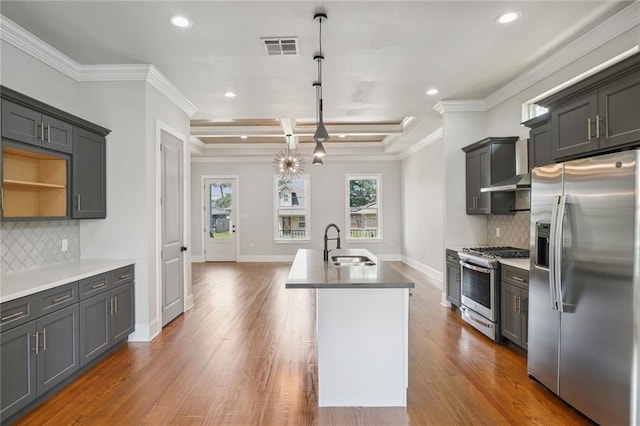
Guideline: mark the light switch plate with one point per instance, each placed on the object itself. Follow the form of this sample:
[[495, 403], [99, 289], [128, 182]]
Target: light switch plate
[[65, 245]]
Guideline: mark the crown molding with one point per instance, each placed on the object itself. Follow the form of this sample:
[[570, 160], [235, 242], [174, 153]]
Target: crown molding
[[432, 137], [616, 25], [475, 105], [23, 40]]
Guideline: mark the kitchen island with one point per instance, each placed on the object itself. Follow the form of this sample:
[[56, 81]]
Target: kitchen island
[[362, 320]]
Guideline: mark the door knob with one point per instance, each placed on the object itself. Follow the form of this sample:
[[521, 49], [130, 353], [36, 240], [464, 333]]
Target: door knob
[[183, 248]]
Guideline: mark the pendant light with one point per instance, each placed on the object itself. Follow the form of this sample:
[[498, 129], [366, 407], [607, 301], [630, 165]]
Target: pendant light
[[288, 163], [321, 134]]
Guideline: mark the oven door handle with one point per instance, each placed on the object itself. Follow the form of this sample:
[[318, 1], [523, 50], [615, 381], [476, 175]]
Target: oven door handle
[[475, 268]]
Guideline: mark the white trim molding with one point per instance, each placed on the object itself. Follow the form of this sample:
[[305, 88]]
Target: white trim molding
[[266, 258], [23, 40], [435, 277], [432, 137], [474, 105], [197, 259]]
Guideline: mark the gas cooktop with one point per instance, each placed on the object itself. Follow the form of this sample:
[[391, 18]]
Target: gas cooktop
[[502, 252]]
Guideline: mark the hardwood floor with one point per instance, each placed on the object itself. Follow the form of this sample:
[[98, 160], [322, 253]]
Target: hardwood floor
[[245, 355]]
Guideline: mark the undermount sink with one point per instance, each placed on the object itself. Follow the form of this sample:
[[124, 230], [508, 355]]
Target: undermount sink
[[352, 261]]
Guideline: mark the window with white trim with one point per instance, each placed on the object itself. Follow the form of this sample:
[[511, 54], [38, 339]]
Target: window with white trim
[[364, 207], [292, 212]]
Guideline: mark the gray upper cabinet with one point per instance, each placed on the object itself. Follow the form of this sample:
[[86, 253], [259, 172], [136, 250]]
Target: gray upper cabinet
[[29, 126], [89, 176], [539, 141], [598, 114], [489, 161]]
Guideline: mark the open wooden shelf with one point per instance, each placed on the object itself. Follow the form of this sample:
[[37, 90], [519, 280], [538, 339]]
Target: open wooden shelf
[[34, 184]]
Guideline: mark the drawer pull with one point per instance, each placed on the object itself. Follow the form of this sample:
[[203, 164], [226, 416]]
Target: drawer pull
[[518, 279], [62, 298], [123, 276], [12, 316], [102, 284]]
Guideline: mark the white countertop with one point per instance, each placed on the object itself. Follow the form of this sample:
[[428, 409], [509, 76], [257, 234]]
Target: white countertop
[[310, 271], [25, 283], [517, 263]]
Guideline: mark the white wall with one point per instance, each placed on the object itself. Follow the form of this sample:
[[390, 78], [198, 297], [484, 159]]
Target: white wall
[[422, 209], [129, 109], [255, 227]]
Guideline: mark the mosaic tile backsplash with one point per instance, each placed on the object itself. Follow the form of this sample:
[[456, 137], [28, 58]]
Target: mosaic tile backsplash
[[31, 245], [514, 230]]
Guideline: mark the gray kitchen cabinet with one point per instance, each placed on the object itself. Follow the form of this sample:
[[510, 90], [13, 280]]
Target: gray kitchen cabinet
[[539, 146], [488, 161], [598, 114], [38, 183], [18, 386], [29, 126], [453, 277], [89, 176], [514, 302], [106, 317], [50, 336], [57, 356]]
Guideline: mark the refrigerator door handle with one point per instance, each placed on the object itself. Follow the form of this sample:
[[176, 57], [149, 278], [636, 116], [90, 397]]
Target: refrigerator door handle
[[552, 252], [558, 251]]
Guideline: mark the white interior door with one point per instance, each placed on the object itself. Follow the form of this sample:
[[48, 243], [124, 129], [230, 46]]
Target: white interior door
[[220, 201], [172, 226]]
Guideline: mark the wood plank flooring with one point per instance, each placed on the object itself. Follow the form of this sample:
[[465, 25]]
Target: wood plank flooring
[[246, 355]]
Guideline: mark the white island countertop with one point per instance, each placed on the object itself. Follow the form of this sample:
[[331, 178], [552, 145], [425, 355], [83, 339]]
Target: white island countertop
[[309, 270], [34, 281]]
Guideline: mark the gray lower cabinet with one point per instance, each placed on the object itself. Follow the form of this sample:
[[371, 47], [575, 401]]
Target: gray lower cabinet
[[453, 277], [37, 356], [49, 336], [17, 369], [514, 302], [89, 175]]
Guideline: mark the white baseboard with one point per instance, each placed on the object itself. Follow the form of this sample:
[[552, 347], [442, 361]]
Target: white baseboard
[[390, 257], [197, 259], [189, 302], [145, 332], [434, 275], [443, 300], [266, 258]]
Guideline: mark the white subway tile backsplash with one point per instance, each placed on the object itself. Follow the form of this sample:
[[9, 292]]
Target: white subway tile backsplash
[[31, 245], [514, 229]]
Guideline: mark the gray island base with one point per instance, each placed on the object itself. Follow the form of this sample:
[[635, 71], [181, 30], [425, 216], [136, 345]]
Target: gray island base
[[362, 319]]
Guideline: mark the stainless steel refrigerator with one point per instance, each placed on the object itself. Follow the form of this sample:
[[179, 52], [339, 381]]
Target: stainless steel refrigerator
[[583, 289]]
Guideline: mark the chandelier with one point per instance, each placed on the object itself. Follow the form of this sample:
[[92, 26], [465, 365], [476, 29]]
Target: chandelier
[[288, 163], [321, 134]]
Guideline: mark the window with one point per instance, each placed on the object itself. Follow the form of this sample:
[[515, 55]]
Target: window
[[292, 211], [364, 207]]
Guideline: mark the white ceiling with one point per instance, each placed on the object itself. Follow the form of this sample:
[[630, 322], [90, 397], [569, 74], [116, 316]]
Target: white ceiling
[[380, 56]]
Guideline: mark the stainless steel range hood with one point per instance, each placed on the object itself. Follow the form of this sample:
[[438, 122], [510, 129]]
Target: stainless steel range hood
[[521, 181]]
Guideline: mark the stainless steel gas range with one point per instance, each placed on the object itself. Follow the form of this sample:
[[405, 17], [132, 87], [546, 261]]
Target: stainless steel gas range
[[480, 286]]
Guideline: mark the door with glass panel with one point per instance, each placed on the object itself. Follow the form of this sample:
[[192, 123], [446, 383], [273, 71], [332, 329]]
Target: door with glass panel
[[220, 219]]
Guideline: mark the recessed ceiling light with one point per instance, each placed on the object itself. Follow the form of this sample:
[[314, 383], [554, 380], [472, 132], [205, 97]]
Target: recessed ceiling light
[[244, 137], [505, 18], [181, 21], [230, 94], [432, 92]]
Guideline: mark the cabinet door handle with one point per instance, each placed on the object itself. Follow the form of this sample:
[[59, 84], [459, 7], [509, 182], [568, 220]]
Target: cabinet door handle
[[523, 305], [589, 128], [79, 208], [44, 339], [48, 139], [62, 298], [111, 306], [42, 132], [12, 316], [597, 126], [37, 342], [517, 304], [115, 299]]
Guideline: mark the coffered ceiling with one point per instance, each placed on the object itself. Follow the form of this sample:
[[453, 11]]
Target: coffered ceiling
[[380, 59]]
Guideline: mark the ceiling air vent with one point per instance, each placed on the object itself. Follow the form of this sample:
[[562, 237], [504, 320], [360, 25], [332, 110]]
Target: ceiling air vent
[[284, 46]]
